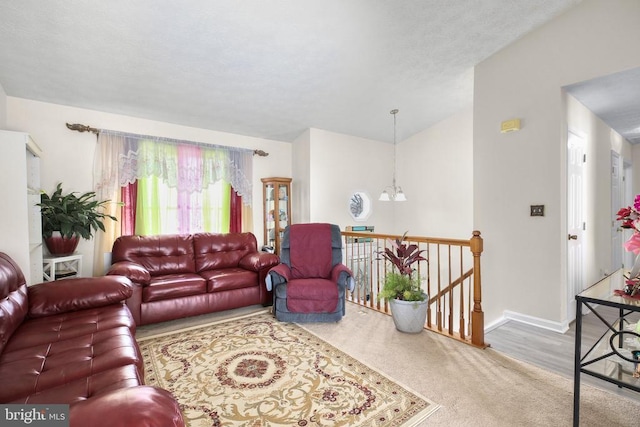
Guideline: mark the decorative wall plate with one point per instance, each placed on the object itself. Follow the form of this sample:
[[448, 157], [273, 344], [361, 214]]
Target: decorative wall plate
[[360, 206]]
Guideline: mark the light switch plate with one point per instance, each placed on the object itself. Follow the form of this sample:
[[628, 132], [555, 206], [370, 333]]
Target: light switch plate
[[537, 210]]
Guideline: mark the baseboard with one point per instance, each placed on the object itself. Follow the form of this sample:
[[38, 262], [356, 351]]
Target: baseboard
[[560, 327], [490, 327]]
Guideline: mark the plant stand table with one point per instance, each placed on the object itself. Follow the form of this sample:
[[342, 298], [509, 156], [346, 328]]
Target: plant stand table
[[614, 356], [62, 266]]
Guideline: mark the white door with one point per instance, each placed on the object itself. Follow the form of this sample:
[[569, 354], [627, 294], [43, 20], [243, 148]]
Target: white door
[[616, 204], [575, 219]]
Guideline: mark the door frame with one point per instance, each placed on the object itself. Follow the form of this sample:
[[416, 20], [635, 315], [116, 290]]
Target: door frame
[[617, 201], [628, 258]]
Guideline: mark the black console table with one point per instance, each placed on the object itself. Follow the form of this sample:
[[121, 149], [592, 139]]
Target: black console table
[[614, 356]]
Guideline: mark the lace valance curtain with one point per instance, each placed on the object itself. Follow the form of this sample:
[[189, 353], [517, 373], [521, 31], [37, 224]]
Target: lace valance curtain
[[188, 166], [122, 158]]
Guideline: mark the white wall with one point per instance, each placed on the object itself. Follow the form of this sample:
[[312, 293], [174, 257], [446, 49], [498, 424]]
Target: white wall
[[68, 155], [326, 167], [300, 186], [341, 165], [3, 108], [524, 260], [436, 174], [434, 170]]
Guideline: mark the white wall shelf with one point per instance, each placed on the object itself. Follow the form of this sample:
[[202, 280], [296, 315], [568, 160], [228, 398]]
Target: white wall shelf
[[20, 222]]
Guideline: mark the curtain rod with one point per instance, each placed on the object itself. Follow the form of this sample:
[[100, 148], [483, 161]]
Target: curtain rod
[[85, 128]]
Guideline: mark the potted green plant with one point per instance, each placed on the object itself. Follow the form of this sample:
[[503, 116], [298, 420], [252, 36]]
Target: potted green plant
[[407, 300], [67, 217]]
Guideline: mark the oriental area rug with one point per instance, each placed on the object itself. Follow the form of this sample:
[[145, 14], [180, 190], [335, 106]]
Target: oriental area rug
[[256, 371]]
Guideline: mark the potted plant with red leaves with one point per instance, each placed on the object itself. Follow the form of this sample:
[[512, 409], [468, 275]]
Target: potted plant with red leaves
[[407, 300]]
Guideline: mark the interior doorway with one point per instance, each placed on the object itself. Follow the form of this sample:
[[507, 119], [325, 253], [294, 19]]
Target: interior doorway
[[575, 218]]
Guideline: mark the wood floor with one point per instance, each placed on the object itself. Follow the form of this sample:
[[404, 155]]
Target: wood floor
[[554, 351]]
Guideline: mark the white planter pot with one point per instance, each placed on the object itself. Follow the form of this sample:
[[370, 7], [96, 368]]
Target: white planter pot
[[409, 316]]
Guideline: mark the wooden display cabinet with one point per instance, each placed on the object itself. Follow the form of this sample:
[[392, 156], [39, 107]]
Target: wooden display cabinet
[[276, 193]]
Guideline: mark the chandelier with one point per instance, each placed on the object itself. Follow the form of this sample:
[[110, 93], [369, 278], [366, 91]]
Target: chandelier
[[395, 192]]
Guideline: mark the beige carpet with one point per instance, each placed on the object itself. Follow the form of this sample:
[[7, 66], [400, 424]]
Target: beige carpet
[[256, 371], [475, 387]]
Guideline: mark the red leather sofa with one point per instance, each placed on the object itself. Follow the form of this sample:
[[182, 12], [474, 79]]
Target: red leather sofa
[[176, 276], [72, 342]]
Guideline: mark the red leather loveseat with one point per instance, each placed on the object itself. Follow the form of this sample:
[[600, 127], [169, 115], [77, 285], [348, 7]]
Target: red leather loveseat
[[72, 342], [176, 276]]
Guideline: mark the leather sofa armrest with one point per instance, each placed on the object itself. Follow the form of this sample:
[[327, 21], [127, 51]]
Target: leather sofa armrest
[[257, 261], [73, 294], [132, 270], [142, 406]]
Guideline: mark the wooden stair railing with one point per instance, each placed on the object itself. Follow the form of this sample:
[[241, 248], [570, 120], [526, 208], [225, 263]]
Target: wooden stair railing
[[450, 298], [455, 283]]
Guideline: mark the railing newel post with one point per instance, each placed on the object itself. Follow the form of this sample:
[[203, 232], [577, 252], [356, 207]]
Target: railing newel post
[[477, 317]]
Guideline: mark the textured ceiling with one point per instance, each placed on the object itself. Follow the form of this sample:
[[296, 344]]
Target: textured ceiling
[[261, 68], [615, 99]]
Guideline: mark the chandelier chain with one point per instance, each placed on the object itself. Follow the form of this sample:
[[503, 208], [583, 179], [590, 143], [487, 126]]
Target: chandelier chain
[[397, 194], [394, 112]]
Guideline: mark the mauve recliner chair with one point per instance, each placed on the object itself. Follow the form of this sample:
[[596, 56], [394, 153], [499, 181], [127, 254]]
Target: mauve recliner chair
[[311, 282]]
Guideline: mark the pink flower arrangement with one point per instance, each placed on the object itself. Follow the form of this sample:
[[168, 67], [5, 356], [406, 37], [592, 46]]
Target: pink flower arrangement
[[630, 217]]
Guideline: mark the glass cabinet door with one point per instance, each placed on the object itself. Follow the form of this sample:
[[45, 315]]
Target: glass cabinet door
[[283, 214], [270, 209], [277, 210]]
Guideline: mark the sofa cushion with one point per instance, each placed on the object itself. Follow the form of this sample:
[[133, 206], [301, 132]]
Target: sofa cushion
[[229, 278], [166, 254], [217, 251], [98, 384], [32, 369], [173, 286], [312, 296], [13, 298], [65, 326]]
